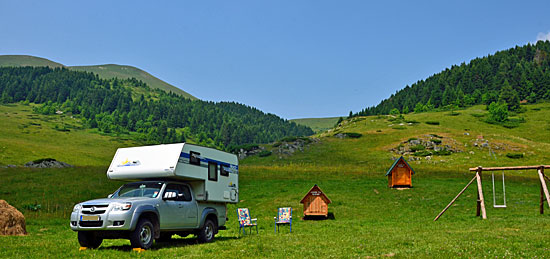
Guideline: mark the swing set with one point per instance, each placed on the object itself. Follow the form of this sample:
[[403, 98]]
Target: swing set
[[481, 201]]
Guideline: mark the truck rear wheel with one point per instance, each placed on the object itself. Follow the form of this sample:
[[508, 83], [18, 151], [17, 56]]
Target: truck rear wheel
[[89, 239], [207, 232], [143, 235]]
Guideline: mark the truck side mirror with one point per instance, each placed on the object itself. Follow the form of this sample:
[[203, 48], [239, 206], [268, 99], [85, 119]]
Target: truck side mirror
[[170, 196]]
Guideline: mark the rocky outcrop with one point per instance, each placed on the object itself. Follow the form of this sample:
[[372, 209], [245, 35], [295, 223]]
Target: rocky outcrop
[[243, 153], [289, 147], [427, 145], [12, 221], [47, 163]]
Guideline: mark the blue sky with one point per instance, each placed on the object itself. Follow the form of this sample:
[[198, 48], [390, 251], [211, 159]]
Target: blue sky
[[292, 58]]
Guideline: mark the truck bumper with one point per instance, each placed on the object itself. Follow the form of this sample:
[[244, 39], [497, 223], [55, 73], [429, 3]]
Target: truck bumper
[[120, 220]]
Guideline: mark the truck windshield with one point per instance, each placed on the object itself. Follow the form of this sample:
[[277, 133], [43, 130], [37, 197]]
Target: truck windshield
[[139, 189]]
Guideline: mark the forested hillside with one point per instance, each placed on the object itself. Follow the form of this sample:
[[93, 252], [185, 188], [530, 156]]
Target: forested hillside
[[107, 71], [130, 107], [511, 76]]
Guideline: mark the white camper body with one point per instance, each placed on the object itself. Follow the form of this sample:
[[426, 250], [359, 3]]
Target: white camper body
[[213, 174]]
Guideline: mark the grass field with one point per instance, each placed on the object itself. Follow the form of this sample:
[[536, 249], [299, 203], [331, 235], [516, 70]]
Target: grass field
[[26, 136], [104, 71], [368, 219], [317, 124]]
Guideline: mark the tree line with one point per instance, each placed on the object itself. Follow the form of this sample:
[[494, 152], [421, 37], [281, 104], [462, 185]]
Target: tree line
[[152, 116], [509, 76]]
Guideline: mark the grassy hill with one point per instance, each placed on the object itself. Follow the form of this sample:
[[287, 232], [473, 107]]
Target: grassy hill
[[317, 124], [367, 218], [124, 72], [104, 71], [26, 136], [24, 60]]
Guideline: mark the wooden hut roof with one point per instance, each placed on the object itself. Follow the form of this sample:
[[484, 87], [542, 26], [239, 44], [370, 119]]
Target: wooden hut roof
[[395, 163], [321, 193]]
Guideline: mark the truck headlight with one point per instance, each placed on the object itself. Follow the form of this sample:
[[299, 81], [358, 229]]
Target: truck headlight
[[77, 207], [117, 206]]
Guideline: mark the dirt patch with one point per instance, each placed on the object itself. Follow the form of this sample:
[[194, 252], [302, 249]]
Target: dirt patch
[[12, 222]]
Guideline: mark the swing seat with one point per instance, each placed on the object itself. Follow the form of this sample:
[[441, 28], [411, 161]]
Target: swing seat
[[495, 205]]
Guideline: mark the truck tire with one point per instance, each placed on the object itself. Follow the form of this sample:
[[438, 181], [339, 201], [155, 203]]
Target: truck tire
[[143, 235], [89, 239], [207, 232]]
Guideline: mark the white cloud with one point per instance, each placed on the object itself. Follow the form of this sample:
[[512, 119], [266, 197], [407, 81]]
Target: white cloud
[[543, 36]]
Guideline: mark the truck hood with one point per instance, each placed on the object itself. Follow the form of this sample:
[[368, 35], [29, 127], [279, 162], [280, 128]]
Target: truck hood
[[109, 200]]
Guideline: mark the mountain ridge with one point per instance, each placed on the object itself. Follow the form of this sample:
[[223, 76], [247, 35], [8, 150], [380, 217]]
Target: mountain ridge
[[105, 71]]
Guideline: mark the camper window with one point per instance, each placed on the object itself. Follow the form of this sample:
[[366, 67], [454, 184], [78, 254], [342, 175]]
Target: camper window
[[223, 171], [212, 171], [194, 158]]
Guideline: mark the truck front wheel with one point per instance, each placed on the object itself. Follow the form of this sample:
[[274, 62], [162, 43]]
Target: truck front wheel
[[206, 234], [143, 235], [89, 239]]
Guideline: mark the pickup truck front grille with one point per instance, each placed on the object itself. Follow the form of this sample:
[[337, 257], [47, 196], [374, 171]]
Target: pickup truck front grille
[[94, 213], [90, 224], [94, 209]]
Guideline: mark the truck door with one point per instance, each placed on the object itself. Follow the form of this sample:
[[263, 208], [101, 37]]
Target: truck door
[[190, 207], [172, 211]]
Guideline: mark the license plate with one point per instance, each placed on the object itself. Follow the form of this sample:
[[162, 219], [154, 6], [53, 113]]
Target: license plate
[[89, 218]]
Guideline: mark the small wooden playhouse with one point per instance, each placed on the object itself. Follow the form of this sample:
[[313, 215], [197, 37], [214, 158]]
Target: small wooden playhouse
[[400, 174], [315, 202]]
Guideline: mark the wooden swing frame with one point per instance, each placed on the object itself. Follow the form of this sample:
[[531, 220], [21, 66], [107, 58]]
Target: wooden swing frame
[[480, 211]]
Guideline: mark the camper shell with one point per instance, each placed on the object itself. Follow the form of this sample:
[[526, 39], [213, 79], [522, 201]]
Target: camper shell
[[212, 174]]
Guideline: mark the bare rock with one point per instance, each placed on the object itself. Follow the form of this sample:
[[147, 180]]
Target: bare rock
[[47, 163], [12, 221]]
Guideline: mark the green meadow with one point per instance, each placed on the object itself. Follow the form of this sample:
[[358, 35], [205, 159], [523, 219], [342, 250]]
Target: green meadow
[[317, 124], [367, 219]]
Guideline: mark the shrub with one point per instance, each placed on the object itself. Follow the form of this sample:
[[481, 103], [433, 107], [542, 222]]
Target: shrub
[[399, 127], [246, 147], [514, 155], [409, 140], [423, 153], [264, 153], [435, 135], [432, 122], [498, 112], [353, 134], [443, 152], [38, 161], [32, 207], [276, 144], [478, 115], [417, 148], [412, 121], [436, 141], [378, 130], [289, 139], [394, 111]]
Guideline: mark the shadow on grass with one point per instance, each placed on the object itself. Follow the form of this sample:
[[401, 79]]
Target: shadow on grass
[[176, 242], [330, 216]]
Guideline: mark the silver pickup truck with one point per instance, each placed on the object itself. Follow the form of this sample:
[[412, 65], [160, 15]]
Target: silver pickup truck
[[145, 211]]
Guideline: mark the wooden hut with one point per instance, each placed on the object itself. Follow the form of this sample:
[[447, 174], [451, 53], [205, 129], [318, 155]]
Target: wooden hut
[[400, 174], [315, 202]]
